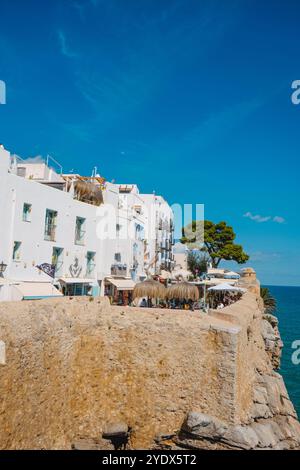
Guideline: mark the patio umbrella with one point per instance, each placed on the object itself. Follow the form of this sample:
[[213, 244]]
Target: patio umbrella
[[183, 291], [231, 275], [226, 287], [149, 288]]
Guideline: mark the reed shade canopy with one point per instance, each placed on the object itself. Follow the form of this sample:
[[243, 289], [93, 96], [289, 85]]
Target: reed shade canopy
[[183, 291], [88, 192], [149, 288]]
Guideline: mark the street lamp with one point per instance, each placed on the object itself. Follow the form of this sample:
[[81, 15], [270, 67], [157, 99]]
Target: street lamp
[[3, 267]]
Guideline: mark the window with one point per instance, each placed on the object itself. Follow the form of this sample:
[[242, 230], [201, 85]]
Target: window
[[139, 232], [118, 257], [26, 212], [90, 262], [57, 259], [50, 225], [78, 289], [17, 251], [79, 231]]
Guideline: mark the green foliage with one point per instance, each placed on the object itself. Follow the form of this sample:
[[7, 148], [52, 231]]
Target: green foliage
[[269, 301], [197, 262], [219, 243]]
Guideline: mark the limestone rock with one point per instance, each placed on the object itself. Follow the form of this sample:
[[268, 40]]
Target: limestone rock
[[91, 444], [272, 339], [260, 411], [204, 426], [243, 437], [115, 429], [265, 434]]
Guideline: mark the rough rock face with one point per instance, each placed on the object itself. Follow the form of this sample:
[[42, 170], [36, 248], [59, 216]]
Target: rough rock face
[[73, 366], [271, 336], [73, 369], [272, 422]]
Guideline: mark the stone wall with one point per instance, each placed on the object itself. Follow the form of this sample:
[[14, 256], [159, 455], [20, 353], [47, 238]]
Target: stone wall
[[264, 415], [74, 365]]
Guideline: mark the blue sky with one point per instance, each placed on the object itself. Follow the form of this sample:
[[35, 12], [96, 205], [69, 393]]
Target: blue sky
[[188, 98]]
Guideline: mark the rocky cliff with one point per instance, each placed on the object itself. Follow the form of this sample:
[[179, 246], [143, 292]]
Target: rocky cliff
[[271, 422], [71, 367]]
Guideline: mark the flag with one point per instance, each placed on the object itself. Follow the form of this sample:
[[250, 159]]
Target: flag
[[48, 269]]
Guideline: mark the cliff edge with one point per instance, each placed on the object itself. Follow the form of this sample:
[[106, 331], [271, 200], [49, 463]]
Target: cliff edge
[[271, 421], [70, 367]]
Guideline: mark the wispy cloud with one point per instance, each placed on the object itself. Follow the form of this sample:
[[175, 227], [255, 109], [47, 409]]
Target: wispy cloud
[[263, 256], [261, 219], [64, 47], [257, 218], [219, 124], [37, 159]]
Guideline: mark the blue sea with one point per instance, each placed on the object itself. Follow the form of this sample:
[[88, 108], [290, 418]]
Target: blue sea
[[288, 314]]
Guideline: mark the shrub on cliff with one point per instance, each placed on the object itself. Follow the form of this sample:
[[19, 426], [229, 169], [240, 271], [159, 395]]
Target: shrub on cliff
[[268, 299]]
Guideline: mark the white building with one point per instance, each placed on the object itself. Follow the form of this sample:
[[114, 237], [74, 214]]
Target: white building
[[91, 231], [159, 229], [180, 257], [41, 222]]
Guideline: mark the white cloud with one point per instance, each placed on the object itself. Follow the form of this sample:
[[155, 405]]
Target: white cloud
[[260, 218], [257, 218], [64, 48], [37, 159]]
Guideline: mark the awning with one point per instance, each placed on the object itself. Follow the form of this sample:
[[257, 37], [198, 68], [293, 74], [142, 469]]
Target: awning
[[76, 280], [7, 282], [226, 287], [213, 271], [37, 290], [122, 284], [216, 281], [231, 275]]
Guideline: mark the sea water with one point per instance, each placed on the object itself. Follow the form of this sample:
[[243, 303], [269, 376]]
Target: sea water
[[288, 314]]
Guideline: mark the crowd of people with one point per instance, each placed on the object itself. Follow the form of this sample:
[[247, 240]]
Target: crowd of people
[[226, 300]]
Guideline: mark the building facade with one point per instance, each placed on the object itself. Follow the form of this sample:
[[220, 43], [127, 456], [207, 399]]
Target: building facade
[[72, 235], [159, 238]]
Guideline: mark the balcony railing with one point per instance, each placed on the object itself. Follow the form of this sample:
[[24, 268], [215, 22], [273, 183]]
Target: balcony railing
[[118, 269]]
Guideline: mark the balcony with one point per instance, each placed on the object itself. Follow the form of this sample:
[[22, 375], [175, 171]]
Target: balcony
[[118, 269]]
